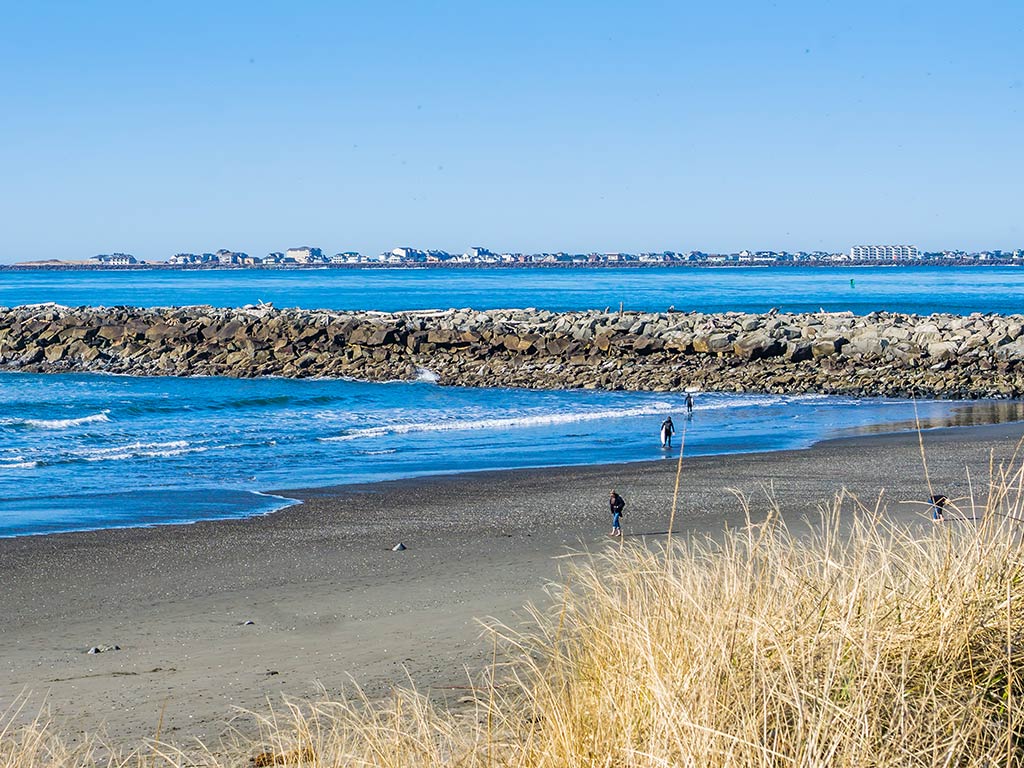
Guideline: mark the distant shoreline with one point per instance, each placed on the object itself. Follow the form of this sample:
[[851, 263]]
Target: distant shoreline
[[31, 267]]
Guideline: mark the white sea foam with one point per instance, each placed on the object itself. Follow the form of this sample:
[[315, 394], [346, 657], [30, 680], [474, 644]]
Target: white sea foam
[[539, 420], [715, 402], [64, 423], [20, 465], [149, 451], [286, 501], [137, 446], [425, 374]]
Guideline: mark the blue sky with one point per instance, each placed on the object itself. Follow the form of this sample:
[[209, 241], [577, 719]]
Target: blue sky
[[527, 126]]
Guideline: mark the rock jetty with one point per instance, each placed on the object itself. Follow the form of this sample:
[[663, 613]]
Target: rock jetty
[[946, 356]]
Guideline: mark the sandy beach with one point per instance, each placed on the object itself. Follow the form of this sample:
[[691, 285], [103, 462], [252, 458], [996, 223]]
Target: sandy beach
[[331, 603]]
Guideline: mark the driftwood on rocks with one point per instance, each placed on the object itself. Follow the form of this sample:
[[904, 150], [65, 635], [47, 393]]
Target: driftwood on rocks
[[946, 356]]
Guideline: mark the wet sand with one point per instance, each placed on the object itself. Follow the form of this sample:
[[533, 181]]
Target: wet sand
[[331, 603]]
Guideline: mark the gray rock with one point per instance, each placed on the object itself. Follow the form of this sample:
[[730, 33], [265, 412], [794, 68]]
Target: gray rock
[[880, 354], [755, 346]]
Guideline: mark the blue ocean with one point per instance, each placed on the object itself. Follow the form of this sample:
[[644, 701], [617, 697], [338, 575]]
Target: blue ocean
[[80, 451], [918, 289], [84, 451]]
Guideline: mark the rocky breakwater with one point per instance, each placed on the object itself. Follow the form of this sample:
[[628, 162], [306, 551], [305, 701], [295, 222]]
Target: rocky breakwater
[[878, 354]]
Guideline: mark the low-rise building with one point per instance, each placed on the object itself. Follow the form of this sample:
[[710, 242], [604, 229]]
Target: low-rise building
[[347, 257], [305, 255], [478, 252], [113, 259], [407, 253], [877, 252], [225, 257]]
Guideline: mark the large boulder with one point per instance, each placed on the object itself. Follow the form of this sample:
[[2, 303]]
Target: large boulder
[[824, 346], [754, 346]]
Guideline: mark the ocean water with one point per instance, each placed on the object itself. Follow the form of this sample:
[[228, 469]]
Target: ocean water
[[921, 290], [90, 451], [81, 451]]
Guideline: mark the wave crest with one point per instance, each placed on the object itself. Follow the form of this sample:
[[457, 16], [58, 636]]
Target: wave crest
[[540, 420], [141, 450], [62, 423]]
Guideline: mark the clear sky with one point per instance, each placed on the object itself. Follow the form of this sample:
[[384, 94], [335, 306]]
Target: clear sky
[[154, 128]]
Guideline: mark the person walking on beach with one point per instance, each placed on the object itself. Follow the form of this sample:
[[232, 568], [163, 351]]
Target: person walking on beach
[[689, 403], [667, 430], [617, 504], [937, 502]]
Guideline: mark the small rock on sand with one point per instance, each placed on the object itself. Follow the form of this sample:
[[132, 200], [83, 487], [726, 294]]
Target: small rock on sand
[[103, 649]]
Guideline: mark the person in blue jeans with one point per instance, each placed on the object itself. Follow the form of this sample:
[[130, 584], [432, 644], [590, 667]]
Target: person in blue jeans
[[617, 504]]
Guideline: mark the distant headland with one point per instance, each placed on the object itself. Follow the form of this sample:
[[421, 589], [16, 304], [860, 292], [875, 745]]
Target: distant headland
[[305, 257]]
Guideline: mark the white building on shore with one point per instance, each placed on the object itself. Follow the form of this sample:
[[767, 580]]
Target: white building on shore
[[114, 259], [305, 255], [878, 252], [347, 257]]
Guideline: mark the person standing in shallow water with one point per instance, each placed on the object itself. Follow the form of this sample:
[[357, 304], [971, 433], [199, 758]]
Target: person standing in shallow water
[[667, 430], [689, 403], [617, 504]]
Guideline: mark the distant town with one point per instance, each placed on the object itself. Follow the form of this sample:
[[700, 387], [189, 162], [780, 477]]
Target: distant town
[[406, 256]]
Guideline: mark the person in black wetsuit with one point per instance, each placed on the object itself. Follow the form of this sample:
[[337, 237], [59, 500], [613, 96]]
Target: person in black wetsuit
[[667, 430]]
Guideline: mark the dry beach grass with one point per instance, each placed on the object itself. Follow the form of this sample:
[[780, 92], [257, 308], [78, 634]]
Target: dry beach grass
[[860, 641]]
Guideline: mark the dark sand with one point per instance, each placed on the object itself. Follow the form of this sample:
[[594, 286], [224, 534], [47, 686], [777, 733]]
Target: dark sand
[[331, 602]]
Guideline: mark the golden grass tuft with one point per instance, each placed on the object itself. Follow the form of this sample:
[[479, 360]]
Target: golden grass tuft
[[859, 643], [870, 646]]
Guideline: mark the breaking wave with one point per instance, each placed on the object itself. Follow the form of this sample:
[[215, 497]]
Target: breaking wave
[[149, 451], [539, 420], [60, 423]]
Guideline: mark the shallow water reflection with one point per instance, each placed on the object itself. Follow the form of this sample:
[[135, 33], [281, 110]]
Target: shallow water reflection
[[980, 413]]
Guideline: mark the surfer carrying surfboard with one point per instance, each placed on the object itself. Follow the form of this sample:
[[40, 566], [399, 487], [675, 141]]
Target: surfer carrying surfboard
[[667, 430]]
